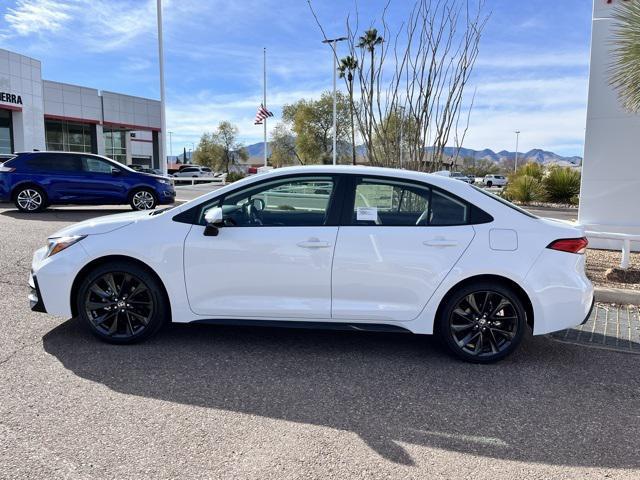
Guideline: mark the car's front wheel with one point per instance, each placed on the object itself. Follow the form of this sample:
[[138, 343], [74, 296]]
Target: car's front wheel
[[30, 199], [482, 322], [122, 303], [143, 199], [489, 184]]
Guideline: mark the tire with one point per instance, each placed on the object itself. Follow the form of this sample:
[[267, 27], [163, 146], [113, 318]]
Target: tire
[[119, 321], [143, 199], [30, 199], [482, 334], [489, 184]]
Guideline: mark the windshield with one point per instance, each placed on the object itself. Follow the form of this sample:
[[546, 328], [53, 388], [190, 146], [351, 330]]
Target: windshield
[[504, 202]]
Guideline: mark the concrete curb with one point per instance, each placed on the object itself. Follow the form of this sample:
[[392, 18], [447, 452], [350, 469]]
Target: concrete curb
[[617, 295]]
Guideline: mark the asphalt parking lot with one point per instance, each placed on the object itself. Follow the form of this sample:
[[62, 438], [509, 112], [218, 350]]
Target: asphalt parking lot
[[232, 402]]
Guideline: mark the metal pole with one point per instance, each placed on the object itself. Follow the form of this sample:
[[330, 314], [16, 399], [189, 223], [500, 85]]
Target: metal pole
[[171, 144], [264, 101], [517, 139], [335, 67], [333, 42], [401, 133], [163, 120]]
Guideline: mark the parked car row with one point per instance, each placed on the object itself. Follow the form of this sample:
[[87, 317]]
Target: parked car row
[[492, 180]]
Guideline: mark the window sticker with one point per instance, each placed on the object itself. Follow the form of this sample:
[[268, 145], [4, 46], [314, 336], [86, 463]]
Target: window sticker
[[367, 214]]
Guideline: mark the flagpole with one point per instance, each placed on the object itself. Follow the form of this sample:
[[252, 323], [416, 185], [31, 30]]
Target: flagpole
[[264, 101]]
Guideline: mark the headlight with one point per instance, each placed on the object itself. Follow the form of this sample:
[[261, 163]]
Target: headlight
[[164, 181], [58, 244]]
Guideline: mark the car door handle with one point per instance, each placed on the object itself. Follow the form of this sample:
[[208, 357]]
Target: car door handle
[[440, 242], [314, 244]]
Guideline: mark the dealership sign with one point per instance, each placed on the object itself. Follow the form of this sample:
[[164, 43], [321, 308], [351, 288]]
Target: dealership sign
[[10, 98]]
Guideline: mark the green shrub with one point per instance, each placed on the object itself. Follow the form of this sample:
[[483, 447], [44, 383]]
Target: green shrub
[[532, 169], [524, 188], [234, 177], [562, 184]]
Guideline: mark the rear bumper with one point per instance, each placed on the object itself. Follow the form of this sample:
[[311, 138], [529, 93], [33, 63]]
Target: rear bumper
[[586, 318], [561, 294]]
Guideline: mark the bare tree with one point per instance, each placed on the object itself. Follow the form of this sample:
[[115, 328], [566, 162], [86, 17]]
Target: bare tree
[[424, 68]]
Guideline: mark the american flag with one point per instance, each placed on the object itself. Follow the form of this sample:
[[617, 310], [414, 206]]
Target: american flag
[[262, 114]]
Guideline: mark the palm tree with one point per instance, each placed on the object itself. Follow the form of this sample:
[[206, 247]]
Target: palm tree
[[626, 53], [347, 66], [370, 40]]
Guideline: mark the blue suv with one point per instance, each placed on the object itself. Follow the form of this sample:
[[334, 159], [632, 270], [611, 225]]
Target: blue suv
[[35, 180]]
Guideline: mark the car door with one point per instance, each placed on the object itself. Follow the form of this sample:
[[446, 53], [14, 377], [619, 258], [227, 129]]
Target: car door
[[103, 181], [397, 242], [272, 259], [57, 173]]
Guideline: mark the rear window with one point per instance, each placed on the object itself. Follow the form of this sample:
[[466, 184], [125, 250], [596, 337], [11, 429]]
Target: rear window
[[53, 163]]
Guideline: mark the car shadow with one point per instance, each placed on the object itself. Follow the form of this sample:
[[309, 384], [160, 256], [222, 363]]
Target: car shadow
[[64, 214], [540, 405]]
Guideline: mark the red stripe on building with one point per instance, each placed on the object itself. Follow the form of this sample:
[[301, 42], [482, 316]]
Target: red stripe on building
[[71, 119], [13, 108]]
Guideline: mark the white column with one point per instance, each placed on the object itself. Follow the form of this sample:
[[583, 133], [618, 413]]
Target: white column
[[163, 120], [610, 193]]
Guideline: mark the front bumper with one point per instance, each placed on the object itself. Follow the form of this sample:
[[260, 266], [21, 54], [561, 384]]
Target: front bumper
[[167, 196], [35, 297]]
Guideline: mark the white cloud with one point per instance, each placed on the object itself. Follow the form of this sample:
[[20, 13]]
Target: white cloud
[[95, 25], [37, 16]]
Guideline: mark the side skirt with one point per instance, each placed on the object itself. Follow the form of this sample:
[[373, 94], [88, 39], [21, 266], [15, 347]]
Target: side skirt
[[362, 327]]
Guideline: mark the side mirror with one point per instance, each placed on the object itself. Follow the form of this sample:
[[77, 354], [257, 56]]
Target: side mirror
[[116, 171], [214, 220]]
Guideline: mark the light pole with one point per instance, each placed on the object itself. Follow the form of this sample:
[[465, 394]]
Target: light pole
[[333, 42], [401, 132], [163, 120], [515, 169], [171, 144]]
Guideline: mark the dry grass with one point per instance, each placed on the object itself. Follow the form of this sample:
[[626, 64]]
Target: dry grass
[[599, 261]]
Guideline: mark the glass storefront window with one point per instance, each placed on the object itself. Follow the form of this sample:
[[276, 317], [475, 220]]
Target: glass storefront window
[[115, 144], [5, 132], [68, 136]]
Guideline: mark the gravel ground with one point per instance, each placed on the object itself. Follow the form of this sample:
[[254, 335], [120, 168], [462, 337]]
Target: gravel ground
[[213, 402], [598, 261]]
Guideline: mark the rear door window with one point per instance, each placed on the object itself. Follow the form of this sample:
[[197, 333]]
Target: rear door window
[[53, 163]]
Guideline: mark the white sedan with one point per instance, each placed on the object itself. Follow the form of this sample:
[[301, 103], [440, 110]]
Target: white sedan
[[320, 246]]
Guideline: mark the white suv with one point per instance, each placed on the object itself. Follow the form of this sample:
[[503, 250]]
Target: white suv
[[194, 171], [494, 180]]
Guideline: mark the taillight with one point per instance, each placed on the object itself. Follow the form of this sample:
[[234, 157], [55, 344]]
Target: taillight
[[570, 245]]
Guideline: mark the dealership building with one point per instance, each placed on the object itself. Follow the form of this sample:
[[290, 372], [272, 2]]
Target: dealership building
[[44, 115]]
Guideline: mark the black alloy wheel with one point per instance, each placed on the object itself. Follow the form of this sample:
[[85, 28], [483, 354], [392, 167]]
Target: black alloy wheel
[[122, 303], [482, 324]]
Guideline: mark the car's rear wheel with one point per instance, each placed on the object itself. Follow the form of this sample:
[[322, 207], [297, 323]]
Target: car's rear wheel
[[122, 303], [482, 322], [489, 184], [143, 199], [30, 199]]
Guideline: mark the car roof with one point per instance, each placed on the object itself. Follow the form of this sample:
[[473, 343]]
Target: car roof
[[437, 180]]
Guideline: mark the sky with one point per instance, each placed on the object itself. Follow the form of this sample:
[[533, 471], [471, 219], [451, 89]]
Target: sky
[[531, 74]]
